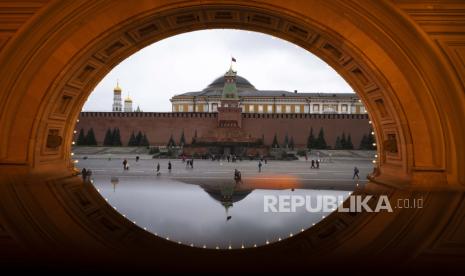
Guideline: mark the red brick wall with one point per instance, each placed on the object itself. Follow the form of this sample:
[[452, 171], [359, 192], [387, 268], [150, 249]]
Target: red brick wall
[[159, 126]]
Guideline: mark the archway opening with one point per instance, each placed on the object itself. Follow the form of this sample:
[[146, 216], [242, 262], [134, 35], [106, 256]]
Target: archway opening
[[294, 113]]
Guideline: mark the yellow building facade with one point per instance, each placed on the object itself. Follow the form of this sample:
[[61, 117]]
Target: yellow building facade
[[253, 100]]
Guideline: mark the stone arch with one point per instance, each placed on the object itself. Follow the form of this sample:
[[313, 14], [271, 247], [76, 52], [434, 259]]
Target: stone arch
[[60, 64], [407, 74]]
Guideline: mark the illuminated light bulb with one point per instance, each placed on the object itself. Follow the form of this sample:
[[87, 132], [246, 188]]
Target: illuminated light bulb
[[73, 143], [357, 184], [204, 246], [134, 222], [376, 156], [156, 234], [373, 132], [76, 161], [279, 239], [145, 228], [77, 120], [255, 245], [106, 199], [313, 224], [290, 235], [229, 247], [72, 153], [192, 245], [374, 161], [98, 190], [359, 101], [369, 122], [124, 215], [168, 238], [242, 246], [217, 247], [301, 230], [179, 242], [75, 132], [322, 216], [374, 144], [267, 242]]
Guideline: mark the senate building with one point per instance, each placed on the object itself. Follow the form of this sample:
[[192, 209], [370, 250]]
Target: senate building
[[253, 100]]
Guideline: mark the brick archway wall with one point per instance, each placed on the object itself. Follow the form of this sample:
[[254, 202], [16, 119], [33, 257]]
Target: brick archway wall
[[406, 69], [65, 58]]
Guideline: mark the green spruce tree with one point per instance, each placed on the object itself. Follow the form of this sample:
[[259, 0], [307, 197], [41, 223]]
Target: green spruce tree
[[349, 144], [90, 138], [144, 141], [343, 141], [194, 138], [275, 143], [338, 144], [132, 140], [116, 137], [311, 140], [182, 140], [363, 142], [321, 142], [138, 138], [107, 141], [171, 142], [286, 141], [81, 140]]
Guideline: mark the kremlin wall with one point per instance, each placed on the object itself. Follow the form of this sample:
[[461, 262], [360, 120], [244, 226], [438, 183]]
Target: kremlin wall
[[232, 112], [160, 126]]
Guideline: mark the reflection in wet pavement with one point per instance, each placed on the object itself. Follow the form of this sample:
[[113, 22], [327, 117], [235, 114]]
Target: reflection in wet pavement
[[210, 213]]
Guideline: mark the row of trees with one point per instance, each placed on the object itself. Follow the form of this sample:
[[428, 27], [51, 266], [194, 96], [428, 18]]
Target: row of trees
[[343, 142], [139, 140], [288, 142], [112, 138], [316, 142], [86, 139], [367, 141], [182, 140]]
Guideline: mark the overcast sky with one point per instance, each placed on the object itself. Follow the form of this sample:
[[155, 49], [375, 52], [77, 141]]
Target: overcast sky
[[191, 61]]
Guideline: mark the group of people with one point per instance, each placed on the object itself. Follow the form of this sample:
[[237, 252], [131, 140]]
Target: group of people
[[158, 172], [86, 174], [315, 164]]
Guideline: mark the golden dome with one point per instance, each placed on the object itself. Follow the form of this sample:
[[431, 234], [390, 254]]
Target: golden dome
[[128, 99], [117, 88]]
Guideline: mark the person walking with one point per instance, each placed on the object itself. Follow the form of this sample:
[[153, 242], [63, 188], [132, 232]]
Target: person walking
[[84, 174], [356, 173], [317, 164], [158, 169], [313, 164], [125, 164], [259, 166], [169, 166]]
